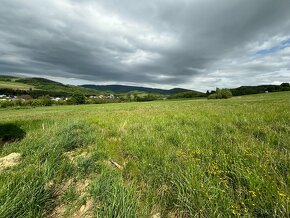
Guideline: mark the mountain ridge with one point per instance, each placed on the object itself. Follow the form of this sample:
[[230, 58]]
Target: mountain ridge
[[126, 88]]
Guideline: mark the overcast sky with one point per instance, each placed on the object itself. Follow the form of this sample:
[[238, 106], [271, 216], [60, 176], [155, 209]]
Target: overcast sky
[[196, 44]]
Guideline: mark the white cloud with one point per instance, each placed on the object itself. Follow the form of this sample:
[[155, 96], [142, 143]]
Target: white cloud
[[195, 44], [139, 57]]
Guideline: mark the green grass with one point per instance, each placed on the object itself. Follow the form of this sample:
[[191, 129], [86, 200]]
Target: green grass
[[194, 158], [40, 84], [15, 85]]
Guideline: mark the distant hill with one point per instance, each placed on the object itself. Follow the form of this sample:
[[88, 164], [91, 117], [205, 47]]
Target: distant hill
[[40, 86], [38, 81], [248, 90], [124, 89]]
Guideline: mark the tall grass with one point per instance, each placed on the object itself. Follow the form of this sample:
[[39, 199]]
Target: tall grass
[[114, 197], [201, 158]]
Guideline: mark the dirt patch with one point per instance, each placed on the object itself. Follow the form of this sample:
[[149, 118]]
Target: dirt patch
[[57, 212], [81, 186], [60, 210], [72, 155], [9, 161], [85, 210]]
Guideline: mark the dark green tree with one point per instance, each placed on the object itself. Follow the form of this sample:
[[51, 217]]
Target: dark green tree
[[285, 85], [45, 101], [221, 93], [77, 99]]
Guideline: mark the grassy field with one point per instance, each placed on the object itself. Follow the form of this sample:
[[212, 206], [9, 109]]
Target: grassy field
[[15, 85], [194, 158]]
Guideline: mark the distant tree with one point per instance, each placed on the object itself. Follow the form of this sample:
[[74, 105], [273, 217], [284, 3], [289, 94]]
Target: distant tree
[[285, 85], [218, 93], [212, 96], [226, 93], [221, 93], [77, 99], [129, 97], [188, 94], [132, 96], [135, 95], [149, 97], [45, 101]]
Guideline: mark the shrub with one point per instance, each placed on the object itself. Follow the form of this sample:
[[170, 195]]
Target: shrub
[[212, 96], [226, 93], [221, 94], [77, 99], [45, 101], [148, 97], [5, 104]]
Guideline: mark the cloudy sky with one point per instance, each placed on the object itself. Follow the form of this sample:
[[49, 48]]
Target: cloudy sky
[[197, 44]]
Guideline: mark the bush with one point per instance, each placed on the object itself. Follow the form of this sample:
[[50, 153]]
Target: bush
[[212, 96], [221, 94], [77, 99], [226, 93], [148, 97], [45, 101], [5, 104]]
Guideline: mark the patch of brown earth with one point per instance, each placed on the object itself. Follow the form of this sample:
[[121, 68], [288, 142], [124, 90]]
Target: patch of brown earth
[[81, 186], [57, 212], [85, 210], [61, 209], [9, 161], [72, 155]]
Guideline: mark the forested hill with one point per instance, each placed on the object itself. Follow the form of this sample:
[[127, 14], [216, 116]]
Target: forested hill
[[124, 89], [248, 90], [39, 87]]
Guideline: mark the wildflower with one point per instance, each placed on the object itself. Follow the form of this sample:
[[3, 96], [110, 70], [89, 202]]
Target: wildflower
[[236, 213], [282, 194], [253, 194]]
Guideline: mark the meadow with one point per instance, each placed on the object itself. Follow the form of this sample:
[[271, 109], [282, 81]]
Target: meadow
[[15, 85], [178, 158]]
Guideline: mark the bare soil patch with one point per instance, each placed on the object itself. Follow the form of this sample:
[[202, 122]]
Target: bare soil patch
[[9, 161]]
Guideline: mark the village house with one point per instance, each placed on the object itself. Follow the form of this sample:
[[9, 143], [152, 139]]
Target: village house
[[56, 99]]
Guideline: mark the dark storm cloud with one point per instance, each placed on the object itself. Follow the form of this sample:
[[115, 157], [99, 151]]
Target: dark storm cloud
[[198, 44]]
